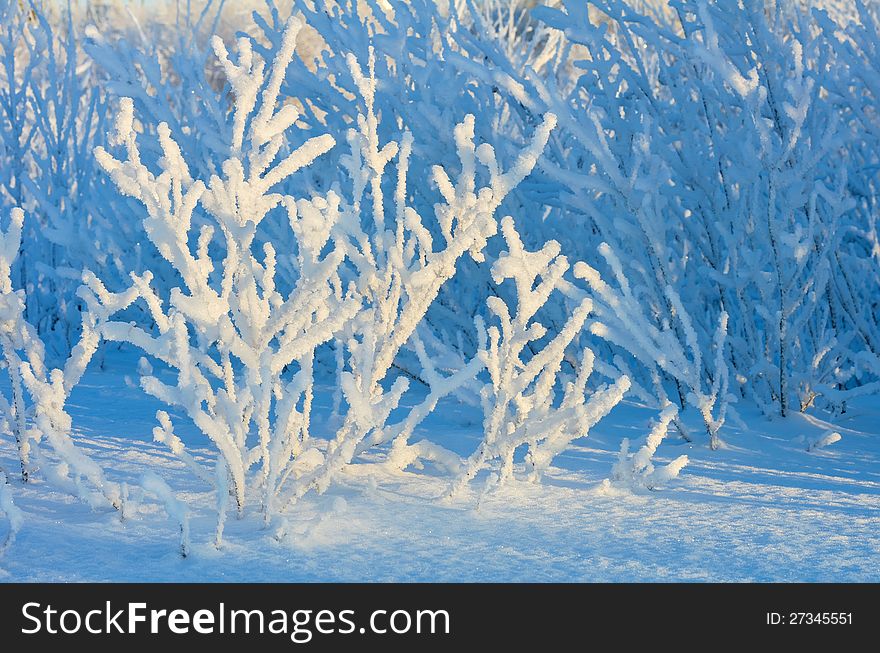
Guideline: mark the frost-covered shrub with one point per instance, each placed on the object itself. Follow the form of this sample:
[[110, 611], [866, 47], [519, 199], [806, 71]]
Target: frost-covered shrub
[[855, 263], [525, 401], [231, 333], [244, 352], [15, 335], [36, 411], [622, 320], [708, 146], [10, 511], [402, 272], [638, 470]]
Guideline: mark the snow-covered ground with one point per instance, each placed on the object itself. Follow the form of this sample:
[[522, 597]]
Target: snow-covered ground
[[760, 509]]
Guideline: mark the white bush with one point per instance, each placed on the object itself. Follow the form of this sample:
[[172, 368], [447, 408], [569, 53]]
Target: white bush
[[525, 401], [13, 514], [43, 417], [638, 470], [231, 334]]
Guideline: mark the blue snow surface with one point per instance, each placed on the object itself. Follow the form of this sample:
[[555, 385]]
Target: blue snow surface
[[762, 508]]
